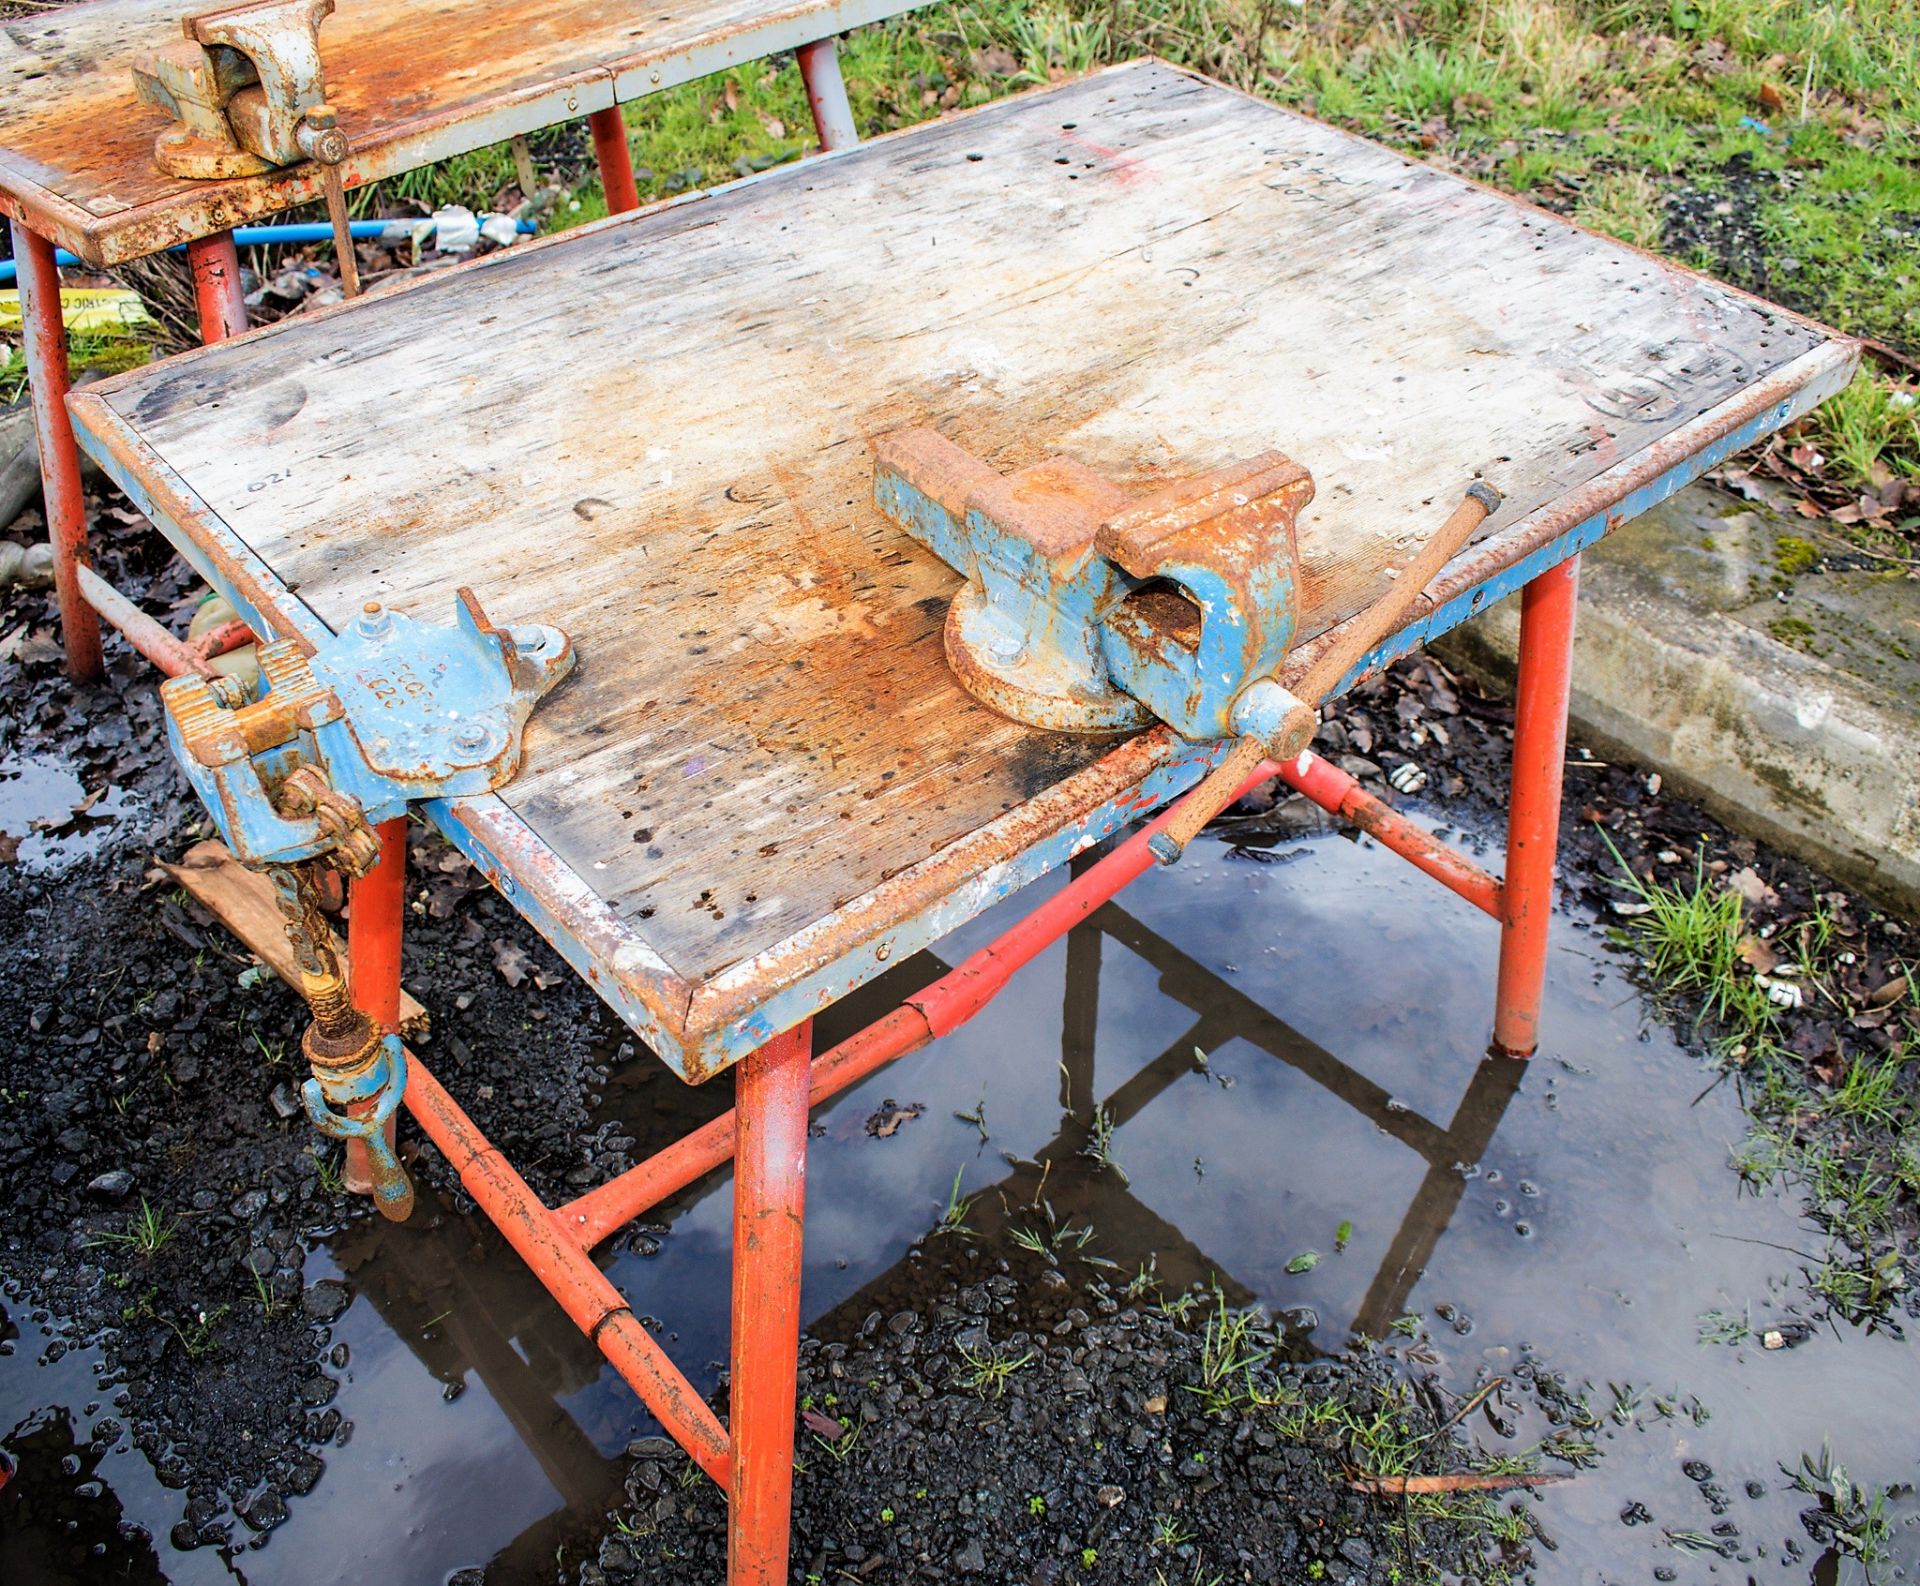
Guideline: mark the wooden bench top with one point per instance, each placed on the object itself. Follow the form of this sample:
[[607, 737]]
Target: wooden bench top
[[763, 783], [413, 80]]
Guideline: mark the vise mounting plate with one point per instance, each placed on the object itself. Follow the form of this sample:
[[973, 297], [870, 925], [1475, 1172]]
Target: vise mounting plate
[[389, 712]]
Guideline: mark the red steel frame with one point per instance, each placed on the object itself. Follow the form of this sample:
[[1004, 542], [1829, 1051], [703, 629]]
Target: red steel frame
[[765, 1135], [222, 309]]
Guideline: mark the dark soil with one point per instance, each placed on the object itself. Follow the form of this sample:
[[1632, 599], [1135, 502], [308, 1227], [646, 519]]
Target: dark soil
[[1722, 217], [1097, 1457], [148, 1070]]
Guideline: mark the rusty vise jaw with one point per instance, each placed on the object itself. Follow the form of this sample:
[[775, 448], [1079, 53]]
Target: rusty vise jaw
[[1087, 609], [388, 713], [240, 85]]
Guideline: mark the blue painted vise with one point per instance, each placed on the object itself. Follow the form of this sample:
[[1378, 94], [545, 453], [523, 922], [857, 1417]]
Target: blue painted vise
[[387, 713], [1087, 609]]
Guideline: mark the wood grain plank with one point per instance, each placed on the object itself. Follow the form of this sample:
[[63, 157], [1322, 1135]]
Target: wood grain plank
[[243, 901], [656, 434]]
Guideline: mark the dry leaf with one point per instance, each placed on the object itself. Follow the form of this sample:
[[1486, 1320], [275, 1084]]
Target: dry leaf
[[995, 61], [1748, 883], [1757, 955], [1466, 1481], [40, 645], [511, 960], [1888, 994], [1772, 98]]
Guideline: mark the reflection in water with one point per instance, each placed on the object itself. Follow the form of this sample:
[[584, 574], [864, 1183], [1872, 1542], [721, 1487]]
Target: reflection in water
[[1222, 1015], [1578, 1206], [62, 1522]]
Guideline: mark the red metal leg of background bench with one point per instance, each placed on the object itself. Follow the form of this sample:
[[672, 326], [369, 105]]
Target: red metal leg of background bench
[[827, 94], [610, 148], [217, 291], [376, 915], [66, 503], [1533, 817], [769, 1207]]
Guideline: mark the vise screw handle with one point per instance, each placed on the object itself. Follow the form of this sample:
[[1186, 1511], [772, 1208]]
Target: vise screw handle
[[1222, 785]]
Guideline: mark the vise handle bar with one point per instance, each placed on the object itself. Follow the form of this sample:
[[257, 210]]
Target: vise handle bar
[[1299, 709]]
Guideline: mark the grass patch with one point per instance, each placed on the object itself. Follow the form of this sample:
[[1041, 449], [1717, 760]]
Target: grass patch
[[1852, 1518], [1847, 1135], [988, 1370], [1870, 432], [148, 1231], [1689, 938], [103, 352], [1385, 1435], [1232, 1346], [1624, 204]]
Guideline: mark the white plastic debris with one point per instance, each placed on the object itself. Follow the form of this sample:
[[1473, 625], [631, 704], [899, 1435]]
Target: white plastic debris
[[1653, 785], [1773, 1338], [1781, 993], [1407, 777], [30, 566], [456, 229], [500, 230]]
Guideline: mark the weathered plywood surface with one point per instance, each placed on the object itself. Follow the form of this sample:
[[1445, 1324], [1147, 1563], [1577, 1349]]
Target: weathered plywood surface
[[413, 80], [656, 435]]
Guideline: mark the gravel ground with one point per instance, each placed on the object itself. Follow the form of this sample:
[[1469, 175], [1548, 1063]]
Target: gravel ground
[[1010, 1427]]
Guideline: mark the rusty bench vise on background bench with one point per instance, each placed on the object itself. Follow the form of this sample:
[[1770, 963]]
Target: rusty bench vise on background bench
[[1090, 610], [248, 93]]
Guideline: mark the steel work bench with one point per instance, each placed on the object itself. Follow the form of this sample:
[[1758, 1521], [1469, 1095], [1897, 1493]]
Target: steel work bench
[[414, 81], [762, 784]]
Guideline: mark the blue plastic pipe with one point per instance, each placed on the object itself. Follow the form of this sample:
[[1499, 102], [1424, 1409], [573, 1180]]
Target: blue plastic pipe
[[266, 236]]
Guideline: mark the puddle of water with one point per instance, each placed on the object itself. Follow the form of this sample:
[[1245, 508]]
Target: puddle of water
[[1579, 1207], [45, 810]]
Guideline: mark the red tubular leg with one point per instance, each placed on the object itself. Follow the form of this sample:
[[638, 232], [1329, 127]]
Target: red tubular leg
[[592, 1303], [769, 1205], [376, 912], [827, 94], [1333, 790], [147, 636], [1533, 819], [610, 148], [217, 291], [45, 334]]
